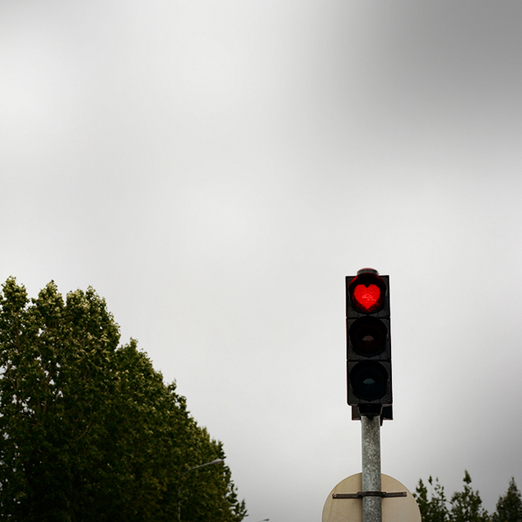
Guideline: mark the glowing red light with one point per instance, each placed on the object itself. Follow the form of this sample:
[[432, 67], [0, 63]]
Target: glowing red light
[[367, 297]]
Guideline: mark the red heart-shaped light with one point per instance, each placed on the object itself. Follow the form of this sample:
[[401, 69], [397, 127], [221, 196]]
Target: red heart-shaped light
[[367, 298]]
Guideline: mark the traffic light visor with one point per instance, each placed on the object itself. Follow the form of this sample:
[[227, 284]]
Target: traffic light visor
[[367, 292]]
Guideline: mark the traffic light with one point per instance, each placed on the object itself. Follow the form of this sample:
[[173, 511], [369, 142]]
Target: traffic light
[[368, 344]]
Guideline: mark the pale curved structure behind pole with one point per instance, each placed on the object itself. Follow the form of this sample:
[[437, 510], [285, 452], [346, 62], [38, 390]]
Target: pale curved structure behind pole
[[394, 509]]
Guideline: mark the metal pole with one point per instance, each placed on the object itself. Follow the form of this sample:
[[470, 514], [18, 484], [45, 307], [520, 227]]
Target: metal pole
[[371, 467], [216, 461]]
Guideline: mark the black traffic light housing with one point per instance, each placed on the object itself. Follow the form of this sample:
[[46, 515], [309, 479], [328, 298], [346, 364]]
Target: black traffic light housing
[[369, 344]]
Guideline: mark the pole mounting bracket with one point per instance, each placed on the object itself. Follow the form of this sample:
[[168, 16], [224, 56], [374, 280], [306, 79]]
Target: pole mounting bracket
[[361, 494]]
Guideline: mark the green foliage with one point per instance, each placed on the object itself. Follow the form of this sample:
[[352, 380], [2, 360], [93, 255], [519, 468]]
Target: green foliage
[[466, 505], [509, 507], [88, 429], [433, 509]]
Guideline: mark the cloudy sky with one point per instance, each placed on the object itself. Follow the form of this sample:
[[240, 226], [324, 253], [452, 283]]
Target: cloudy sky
[[215, 170]]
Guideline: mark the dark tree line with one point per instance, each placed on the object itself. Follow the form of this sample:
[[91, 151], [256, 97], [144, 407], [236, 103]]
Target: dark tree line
[[465, 505], [89, 431]]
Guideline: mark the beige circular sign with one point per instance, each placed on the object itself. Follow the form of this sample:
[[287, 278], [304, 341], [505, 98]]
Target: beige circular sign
[[394, 509]]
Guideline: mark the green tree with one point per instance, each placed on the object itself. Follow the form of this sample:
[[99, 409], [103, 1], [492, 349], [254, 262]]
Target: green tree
[[433, 509], [466, 505], [88, 429], [509, 507]]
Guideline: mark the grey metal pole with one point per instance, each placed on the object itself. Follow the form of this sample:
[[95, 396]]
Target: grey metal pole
[[216, 461], [371, 467]]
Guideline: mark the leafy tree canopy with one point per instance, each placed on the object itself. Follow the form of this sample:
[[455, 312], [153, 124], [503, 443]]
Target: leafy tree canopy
[[434, 508], [509, 507], [89, 430], [465, 505]]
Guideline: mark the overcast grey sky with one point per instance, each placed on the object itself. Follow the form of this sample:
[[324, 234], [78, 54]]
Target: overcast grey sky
[[215, 170]]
